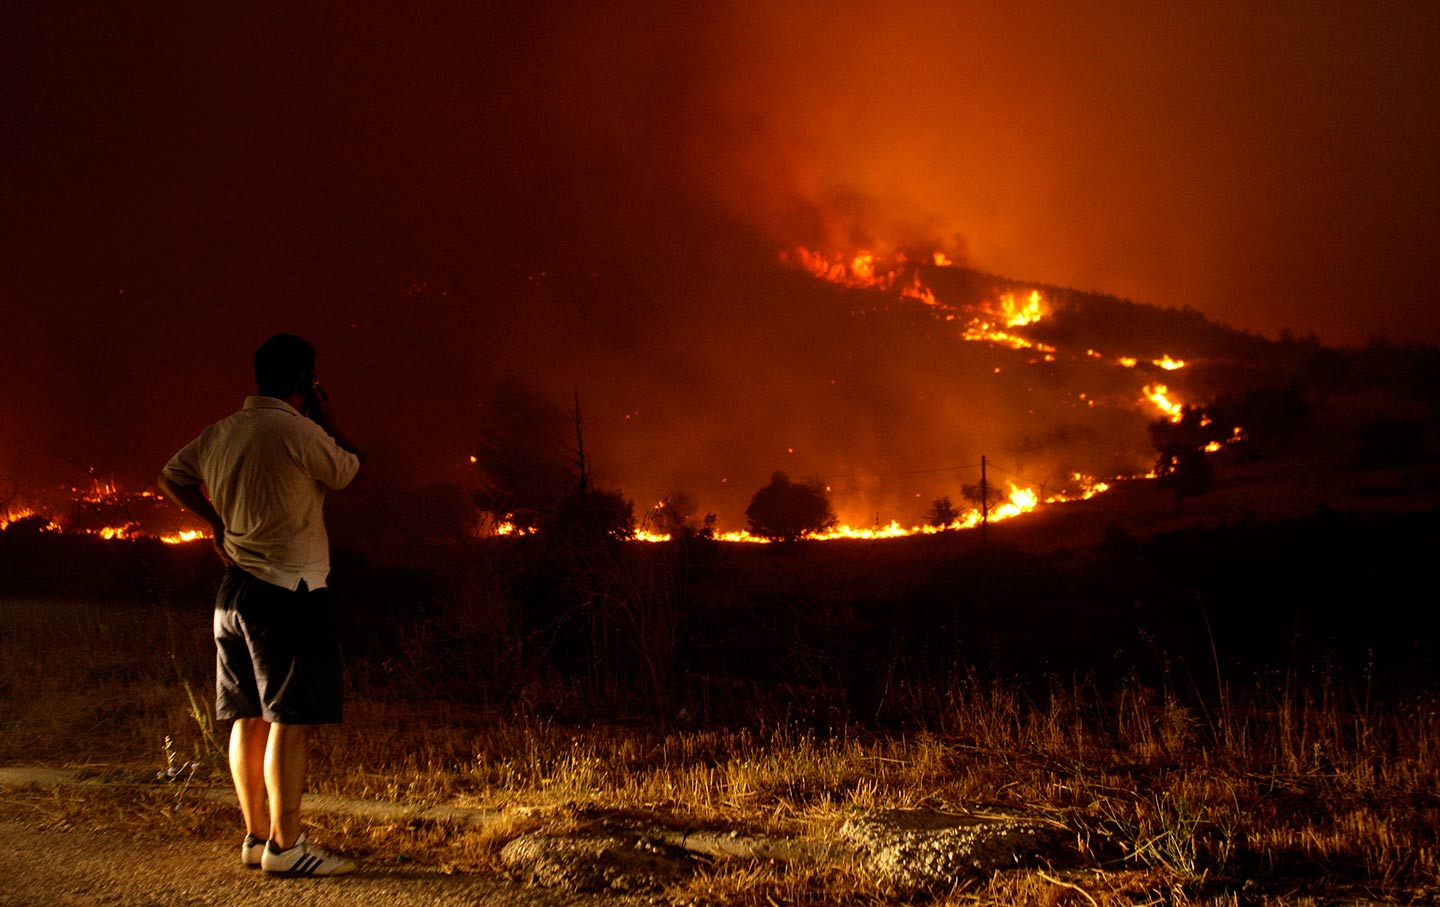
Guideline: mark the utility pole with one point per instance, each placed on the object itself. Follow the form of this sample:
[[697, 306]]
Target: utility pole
[[984, 502], [581, 464]]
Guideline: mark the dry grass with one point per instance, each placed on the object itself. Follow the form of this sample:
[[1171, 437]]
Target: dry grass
[[1279, 792]]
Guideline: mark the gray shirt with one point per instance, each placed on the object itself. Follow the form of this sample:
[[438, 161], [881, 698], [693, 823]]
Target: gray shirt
[[266, 469]]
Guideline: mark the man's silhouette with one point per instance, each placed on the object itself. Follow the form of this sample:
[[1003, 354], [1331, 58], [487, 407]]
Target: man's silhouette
[[259, 478]]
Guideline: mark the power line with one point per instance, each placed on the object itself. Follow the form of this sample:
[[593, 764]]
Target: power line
[[910, 472]]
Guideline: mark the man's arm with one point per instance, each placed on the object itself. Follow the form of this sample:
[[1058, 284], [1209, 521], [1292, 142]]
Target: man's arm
[[191, 498], [322, 412]]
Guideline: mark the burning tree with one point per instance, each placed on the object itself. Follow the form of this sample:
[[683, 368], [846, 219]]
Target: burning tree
[[784, 511]]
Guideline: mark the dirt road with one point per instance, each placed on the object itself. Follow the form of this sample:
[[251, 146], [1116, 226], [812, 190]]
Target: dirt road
[[78, 867]]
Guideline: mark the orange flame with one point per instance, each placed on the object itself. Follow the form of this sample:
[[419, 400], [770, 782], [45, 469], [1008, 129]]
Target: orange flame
[[1020, 314], [14, 516], [1020, 501], [1159, 395]]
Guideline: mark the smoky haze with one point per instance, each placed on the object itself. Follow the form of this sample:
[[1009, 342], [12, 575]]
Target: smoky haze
[[593, 199]]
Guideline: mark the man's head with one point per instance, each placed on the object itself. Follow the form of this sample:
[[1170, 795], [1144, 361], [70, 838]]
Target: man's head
[[284, 364]]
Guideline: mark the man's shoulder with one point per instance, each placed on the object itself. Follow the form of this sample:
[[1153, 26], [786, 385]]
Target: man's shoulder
[[249, 424], [220, 426]]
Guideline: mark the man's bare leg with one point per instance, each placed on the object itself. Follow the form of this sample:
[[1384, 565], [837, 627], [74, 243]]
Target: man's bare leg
[[285, 764], [248, 740]]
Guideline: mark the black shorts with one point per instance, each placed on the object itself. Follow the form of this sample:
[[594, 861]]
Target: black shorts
[[276, 653]]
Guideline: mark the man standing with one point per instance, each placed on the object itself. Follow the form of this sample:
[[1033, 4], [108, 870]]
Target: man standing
[[259, 478]]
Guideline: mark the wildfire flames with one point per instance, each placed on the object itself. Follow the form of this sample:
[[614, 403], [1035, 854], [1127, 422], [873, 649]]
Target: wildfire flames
[[1019, 502], [999, 321], [1159, 395], [102, 510], [993, 321]]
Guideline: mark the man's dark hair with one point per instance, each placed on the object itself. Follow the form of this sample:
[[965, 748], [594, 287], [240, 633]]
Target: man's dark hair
[[280, 363]]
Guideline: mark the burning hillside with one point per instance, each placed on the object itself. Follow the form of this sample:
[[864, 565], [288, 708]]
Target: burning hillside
[[893, 379]]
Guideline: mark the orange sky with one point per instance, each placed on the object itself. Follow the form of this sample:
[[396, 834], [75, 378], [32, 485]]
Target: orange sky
[[1268, 164]]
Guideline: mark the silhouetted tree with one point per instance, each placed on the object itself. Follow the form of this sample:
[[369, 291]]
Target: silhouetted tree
[[587, 511], [785, 510], [1185, 471], [675, 516], [978, 492], [1182, 464], [520, 456], [941, 513], [1270, 416], [9, 491], [596, 512]]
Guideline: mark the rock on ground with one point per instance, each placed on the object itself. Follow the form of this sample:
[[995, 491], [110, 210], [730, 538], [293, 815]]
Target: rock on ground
[[903, 850], [599, 861], [918, 850]]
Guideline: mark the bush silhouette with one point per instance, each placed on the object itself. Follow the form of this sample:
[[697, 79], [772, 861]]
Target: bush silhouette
[[1182, 464], [941, 513], [675, 516], [783, 511], [593, 514]]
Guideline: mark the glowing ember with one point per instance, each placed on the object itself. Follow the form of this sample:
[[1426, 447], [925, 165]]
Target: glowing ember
[[1169, 364]]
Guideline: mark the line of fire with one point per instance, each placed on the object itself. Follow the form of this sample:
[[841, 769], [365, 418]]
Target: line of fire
[[102, 509]]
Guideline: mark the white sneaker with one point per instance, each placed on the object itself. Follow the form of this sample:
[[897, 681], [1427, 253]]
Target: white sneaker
[[304, 859], [250, 852]]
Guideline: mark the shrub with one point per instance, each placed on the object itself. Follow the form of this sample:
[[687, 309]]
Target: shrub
[[783, 511]]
